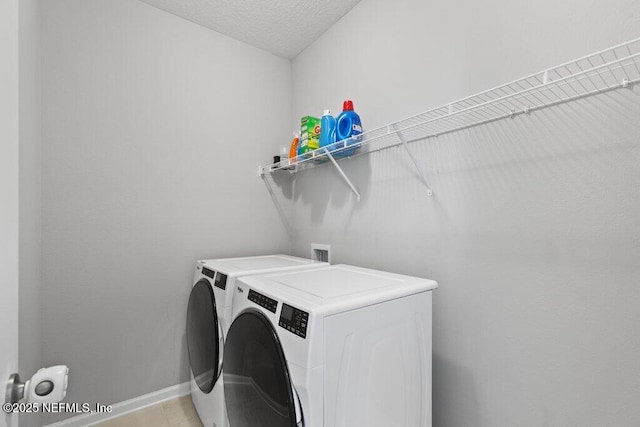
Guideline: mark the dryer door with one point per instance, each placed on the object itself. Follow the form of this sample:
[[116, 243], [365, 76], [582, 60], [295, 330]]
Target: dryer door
[[257, 385], [203, 336]]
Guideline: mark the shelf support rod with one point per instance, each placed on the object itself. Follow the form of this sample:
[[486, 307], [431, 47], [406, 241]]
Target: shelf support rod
[[344, 176], [281, 213], [413, 159]]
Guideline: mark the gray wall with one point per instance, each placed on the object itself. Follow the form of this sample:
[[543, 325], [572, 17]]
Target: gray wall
[[30, 346], [534, 229], [153, 130]]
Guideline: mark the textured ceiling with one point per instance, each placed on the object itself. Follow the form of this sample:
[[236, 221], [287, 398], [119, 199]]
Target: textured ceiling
[[282, 27]]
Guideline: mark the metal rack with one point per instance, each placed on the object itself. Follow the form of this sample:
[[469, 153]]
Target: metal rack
[[613, 68]]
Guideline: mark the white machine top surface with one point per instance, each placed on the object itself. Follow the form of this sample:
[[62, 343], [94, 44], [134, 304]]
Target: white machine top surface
[[338, 287], [256, 264], [338, 282]]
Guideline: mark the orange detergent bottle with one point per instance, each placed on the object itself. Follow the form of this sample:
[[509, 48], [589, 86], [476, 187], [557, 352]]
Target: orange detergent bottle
[[293, 151]]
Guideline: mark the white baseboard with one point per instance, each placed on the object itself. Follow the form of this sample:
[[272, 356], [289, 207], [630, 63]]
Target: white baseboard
[[126, 407]]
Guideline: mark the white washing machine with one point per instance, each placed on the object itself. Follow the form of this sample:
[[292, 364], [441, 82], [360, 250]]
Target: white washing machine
[[208, 319], [340, 346]]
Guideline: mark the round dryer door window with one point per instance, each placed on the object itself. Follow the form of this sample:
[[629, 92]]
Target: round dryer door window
[[257, 386], [202, 336]]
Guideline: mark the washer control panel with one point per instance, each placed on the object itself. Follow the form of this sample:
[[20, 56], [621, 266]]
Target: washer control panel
[[263, 300], [294, 320]]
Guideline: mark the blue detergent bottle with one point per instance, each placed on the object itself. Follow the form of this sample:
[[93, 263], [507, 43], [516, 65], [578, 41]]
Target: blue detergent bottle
[[348, 127], [327, 130]]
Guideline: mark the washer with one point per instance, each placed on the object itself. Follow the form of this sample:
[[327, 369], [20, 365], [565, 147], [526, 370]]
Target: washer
[[208, 319], [341, 346]]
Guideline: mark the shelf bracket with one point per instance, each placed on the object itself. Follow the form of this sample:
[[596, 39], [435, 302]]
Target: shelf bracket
[[281, 212], [344, 176], [413, 159]]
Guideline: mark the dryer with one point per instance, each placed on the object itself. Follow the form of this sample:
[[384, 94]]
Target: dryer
[[208, 319], [341, 346]]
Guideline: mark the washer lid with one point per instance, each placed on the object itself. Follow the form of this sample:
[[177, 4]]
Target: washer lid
[[203, 336]]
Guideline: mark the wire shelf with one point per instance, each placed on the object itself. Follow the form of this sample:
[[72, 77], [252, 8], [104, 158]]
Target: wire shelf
[[606, 70]]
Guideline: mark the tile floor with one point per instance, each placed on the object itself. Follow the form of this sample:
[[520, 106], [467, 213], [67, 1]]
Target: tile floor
[[177, 412]]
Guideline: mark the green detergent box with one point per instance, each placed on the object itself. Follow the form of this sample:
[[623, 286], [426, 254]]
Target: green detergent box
[[309, 134]]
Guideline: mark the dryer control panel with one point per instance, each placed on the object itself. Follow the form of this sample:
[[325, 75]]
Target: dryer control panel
[[294, 320]]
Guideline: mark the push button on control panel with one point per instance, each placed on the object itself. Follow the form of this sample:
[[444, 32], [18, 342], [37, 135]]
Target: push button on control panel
[[263, 300], [294, 320]]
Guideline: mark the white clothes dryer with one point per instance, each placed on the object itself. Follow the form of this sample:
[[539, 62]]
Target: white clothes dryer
[[341, 346], [208, 319]]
